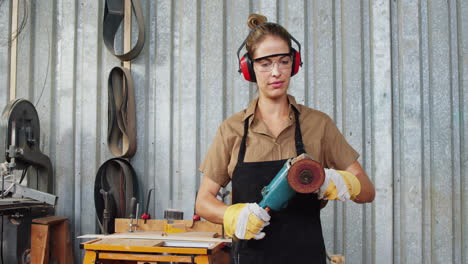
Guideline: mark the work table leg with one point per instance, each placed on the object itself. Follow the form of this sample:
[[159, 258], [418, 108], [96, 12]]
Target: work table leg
[[89, 257]]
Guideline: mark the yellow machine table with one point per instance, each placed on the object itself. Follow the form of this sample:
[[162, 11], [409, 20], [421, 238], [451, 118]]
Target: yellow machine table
[[153, 247], [117, 250]]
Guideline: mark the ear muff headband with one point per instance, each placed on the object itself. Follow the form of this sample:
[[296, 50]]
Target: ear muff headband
[[246, 64]]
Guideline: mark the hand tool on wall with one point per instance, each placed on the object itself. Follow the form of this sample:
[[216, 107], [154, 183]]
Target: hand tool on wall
[[106, 214], [133, 202], [145, 216], [133, 214]]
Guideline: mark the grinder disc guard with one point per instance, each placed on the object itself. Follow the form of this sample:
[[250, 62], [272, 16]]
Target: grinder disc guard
[[306, 176]]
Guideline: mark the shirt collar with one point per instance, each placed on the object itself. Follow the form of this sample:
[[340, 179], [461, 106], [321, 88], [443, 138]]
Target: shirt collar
[[253, 105]]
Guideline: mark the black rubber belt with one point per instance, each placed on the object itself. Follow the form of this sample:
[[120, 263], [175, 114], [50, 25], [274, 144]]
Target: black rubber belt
[[117, 177], [121, 113], [113, 16]]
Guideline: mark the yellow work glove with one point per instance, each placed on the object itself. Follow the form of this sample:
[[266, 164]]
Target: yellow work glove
[[245, 221], [339, 185]]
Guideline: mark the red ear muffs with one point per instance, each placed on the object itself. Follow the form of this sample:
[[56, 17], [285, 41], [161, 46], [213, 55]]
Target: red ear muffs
[[246, 68], [297, 62]]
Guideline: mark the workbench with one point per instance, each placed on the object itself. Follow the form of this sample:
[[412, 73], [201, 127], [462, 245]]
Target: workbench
[[143, 251], [148, 246]]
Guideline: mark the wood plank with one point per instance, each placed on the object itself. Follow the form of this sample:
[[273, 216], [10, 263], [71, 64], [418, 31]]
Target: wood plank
[[58, 247], [158, 235], [122, 225], [127, 31], [50, 220], [39, 244], [146, 257], [61, 249], [127, 43], [158, 249], [129, 242], [195, 234]]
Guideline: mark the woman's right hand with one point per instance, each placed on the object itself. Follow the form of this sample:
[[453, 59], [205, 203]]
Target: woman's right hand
[[245, 221]]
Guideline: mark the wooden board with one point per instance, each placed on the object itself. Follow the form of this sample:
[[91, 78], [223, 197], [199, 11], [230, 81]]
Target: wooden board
[[40, 243], [50, 220], [158, 235], [195, 234], [122, 225], [129, 242]]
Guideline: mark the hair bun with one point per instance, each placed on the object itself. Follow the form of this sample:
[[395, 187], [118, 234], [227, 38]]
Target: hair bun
[[255, 20]]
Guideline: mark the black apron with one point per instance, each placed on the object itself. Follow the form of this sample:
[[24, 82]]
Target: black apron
[[295, 232]]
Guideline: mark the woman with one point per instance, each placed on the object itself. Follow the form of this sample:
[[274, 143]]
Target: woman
[[252, 146]]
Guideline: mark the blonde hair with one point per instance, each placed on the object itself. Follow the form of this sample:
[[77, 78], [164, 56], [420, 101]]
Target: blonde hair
[[260, 28]]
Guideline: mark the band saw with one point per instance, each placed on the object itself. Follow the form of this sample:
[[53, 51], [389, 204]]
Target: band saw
[[31, 196]]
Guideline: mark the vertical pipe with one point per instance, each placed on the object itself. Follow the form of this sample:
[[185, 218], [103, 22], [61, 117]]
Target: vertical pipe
[[127, 45], [14, 48], [127, 30]]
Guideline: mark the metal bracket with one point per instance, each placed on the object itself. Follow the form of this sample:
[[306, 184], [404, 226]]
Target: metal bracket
[[23, 191]]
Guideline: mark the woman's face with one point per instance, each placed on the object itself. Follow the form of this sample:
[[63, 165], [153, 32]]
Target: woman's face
[[272, 65]]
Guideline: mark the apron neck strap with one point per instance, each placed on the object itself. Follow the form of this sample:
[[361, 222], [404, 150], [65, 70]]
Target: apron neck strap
[[298, 135]]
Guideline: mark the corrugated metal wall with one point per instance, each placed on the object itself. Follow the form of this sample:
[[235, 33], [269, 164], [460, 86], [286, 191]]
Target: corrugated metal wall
[[392, 74]]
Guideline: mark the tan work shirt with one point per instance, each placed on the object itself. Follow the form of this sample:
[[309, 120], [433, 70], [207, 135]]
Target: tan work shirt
[[320, 136]]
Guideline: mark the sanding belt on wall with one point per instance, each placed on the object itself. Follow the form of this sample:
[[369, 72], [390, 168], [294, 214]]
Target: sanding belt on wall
[[121, 137], [121, 113], [116, 181], [113, 16], [117, 177]]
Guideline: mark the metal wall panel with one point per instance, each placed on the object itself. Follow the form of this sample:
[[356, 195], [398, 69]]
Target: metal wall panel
[[392, 74], [460, 117], [5, 17]]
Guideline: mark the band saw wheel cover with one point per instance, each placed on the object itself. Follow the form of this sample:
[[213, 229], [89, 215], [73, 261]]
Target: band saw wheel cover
[[310, 168], [20, 114]]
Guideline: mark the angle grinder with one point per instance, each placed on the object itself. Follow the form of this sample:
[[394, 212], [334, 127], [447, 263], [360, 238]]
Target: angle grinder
[[301, 174]]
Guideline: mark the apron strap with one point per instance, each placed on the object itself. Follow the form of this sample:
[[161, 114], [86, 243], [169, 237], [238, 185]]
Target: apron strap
[[240, 157], [298, 138]]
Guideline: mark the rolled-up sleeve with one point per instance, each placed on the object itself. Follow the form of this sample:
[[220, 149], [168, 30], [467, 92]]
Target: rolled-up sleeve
[[215, 164], [338, 153]]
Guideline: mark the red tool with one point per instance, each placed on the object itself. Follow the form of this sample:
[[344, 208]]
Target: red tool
[[145, 216]]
